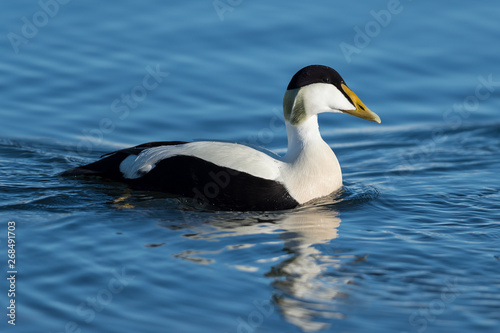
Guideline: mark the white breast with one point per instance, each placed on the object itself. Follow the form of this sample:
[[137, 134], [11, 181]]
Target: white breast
[[314, 173]]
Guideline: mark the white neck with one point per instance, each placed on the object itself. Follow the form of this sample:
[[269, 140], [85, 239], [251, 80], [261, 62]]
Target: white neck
[[312, 168], [301, 137]]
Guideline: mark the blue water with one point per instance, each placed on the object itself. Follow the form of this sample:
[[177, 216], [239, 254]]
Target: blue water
[[410, 245]]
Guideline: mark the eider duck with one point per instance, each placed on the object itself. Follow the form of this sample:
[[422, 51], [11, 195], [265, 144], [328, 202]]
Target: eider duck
[[234, 176]]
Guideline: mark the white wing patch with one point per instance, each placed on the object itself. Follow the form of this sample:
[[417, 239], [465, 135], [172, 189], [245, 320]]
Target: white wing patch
[[230, 155]]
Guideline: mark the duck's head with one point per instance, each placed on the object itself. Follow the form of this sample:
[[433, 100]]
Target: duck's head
[[316, 89]]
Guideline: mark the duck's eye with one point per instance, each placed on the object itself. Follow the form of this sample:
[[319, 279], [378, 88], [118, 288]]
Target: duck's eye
[[326, 79]]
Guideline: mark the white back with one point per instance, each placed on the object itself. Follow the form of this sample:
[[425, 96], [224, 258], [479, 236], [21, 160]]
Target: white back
[[230, 155]]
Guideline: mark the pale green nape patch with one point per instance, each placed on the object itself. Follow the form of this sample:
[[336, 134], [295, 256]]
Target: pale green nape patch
[[293, 107], [288, 100]]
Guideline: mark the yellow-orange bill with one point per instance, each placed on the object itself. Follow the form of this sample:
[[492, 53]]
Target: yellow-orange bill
[[361, 110]]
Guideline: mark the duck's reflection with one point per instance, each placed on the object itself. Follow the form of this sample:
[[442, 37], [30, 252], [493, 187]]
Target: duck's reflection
[[304, 294]]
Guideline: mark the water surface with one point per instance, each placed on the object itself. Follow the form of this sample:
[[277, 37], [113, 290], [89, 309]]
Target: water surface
[[410, 244]]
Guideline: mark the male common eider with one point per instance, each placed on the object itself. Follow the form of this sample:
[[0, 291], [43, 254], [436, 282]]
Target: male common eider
[[233, 176]]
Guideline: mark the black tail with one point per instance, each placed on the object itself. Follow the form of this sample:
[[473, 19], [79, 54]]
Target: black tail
[[109, 166]]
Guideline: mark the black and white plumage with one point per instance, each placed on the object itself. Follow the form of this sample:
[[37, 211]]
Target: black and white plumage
[[237, 177]]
